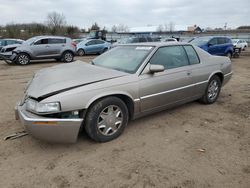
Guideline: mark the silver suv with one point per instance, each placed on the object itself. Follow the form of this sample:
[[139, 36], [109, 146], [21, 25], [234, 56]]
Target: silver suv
[[45, 47]]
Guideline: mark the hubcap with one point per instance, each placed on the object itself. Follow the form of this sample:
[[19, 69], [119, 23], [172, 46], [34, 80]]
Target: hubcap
[[23, 59], [110, 120], [213, 90], [68, 57], [80, 52]]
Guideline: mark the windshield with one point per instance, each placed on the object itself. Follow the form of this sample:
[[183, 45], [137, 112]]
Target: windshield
[[92, 33], [123, 58], [200, 41], [235, 40], [126, 41], [29, 41]]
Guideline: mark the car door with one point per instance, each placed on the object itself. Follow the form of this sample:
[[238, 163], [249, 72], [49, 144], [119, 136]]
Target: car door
[[167, 87], [40, 48], [213, 47], [99, 46], [90, 47], [198, 72], [222, 45], [55, 46]]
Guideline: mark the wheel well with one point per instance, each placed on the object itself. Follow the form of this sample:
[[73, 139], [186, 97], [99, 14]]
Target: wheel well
[[127, 100], [220, 75], [68, 51]]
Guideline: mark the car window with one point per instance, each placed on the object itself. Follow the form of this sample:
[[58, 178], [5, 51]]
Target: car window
[[135, 40], [213, 41], [41, 41], [170, 57], [56, 41], [192, 55], [99, 42], [8, 42], [123, 58], [221, 41], [142, 39], [92, 42], [149, 39]]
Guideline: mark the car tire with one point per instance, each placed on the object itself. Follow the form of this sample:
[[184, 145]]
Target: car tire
[[212, 91], [104, 50], [68, 57], [106, 119], [22, 59], [81, 52]]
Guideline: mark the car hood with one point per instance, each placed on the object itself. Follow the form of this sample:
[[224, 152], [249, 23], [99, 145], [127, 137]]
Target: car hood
[[60, 78]]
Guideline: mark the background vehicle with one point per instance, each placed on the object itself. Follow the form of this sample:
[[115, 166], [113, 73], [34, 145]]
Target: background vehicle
[[222, 46], [97, 34], [137, 39], [44, 47], [239, 43], [78, 40], [127, 82], [5, 42], [92, 46], [6, 51], [169, 40]]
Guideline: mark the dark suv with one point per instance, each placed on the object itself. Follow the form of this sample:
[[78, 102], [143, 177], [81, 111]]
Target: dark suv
[[45, 47], [215, 45]]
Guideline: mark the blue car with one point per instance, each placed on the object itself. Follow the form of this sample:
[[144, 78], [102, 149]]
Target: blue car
[[222, 46], [92, 46]]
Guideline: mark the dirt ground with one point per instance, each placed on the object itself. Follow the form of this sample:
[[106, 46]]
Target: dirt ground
[[193, 145]]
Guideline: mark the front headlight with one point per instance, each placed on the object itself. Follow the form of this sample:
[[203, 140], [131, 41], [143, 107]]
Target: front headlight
[[34, 106]]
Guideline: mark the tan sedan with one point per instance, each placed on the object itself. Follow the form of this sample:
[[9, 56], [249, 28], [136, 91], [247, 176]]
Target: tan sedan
[[124, 83]]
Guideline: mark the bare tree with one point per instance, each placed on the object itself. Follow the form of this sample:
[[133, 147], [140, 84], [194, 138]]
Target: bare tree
[[171, 26], [122, 28], [56, 22], [114, 28], [160, 28]]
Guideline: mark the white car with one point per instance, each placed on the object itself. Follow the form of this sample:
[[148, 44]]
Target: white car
[[239, 43]]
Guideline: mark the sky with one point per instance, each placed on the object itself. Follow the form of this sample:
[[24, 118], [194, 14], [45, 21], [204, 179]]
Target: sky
[[133, 13]]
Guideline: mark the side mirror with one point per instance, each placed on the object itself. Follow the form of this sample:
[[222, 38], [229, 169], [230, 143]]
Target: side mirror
[[156, 68]]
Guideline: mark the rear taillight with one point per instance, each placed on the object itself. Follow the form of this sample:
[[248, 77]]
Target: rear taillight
[[73, 44]]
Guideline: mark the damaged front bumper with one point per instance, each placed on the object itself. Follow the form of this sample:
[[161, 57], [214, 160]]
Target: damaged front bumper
[[49, 129]]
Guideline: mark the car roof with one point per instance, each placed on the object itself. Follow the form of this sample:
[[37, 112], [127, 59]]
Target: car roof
[[156, 44], [49, 36]]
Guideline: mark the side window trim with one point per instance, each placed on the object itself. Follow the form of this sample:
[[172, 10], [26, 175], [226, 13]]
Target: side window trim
[[168, 47], [195, 53]]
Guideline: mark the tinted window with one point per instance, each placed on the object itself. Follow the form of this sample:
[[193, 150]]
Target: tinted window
[[142, 39], [99, 42], [192, 55], [213, 41], [170, 57], [149, 39], [221, 41], [8, 42], [92, 42], [42, 41], [56, 41], [134, 40]]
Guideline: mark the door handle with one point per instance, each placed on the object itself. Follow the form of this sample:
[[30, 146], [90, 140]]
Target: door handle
[[189, 73]]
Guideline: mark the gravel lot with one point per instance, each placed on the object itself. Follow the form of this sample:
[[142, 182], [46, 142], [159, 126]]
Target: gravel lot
[[193, 145]]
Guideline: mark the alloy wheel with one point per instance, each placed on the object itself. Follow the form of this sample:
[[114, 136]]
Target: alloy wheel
[[110, 120]]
